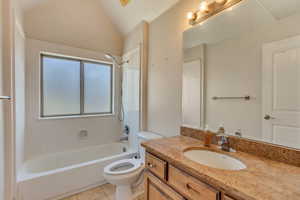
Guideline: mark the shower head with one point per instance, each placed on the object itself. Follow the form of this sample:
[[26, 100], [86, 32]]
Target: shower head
[[111, 57]]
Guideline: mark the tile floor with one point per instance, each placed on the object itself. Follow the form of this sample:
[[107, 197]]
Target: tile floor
[[104, 192]]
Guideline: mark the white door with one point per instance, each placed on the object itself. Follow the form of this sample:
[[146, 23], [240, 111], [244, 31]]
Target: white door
[[281, 92], [7, 167], [192, 94]]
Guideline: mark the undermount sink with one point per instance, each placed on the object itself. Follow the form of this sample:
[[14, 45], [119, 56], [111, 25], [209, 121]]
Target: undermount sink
[[215, 160]]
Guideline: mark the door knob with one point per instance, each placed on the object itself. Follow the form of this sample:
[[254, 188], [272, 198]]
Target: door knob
[[5, 98], [269, 117]]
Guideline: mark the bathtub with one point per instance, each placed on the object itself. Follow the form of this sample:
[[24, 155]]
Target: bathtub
[[59, 175]]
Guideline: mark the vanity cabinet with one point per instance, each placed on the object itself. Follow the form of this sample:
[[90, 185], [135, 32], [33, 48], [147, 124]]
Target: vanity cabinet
[[166, 182]]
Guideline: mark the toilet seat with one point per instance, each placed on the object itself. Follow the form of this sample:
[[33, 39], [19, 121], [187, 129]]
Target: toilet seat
[[130, 165]]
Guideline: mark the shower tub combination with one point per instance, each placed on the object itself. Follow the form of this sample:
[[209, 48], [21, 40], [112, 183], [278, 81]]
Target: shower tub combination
[[62, 174]]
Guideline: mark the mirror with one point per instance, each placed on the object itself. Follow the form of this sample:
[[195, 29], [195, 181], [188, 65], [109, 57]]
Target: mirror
[[242, 70]]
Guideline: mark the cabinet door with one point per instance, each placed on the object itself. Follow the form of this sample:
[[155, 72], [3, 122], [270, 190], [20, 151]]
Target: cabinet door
[[155, 189]]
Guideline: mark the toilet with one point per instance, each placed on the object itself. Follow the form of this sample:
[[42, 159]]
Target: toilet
[[124, 173]]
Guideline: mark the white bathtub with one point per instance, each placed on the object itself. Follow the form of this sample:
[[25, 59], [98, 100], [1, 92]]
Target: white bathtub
[[58, 175]]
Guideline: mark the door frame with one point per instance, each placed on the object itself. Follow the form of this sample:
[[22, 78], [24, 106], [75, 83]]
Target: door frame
[[268, 50]]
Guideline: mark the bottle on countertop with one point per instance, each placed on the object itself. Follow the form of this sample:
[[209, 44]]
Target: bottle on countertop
[[207, 137]]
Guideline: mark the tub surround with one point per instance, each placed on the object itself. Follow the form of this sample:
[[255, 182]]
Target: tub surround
[[263, 178]]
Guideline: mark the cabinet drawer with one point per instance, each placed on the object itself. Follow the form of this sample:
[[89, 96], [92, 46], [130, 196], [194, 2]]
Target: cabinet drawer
[[155, 189], [156, 166], [190, 187]]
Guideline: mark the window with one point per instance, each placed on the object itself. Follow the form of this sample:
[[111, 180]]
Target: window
[[75, 87]]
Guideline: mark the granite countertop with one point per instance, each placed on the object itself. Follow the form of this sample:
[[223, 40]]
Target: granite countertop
[[263, 179]]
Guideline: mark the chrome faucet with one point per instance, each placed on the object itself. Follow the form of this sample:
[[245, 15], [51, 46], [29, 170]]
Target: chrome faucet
[[124, 138], [224, 139], [125, 134]]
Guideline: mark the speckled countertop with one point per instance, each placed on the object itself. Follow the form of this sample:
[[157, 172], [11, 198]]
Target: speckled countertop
[[263, 179]]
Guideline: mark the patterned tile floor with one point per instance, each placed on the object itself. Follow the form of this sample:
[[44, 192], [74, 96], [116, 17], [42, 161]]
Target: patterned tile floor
[[104, 192]]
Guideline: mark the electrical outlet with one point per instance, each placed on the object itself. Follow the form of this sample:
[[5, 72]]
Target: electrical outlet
[[83, 134]]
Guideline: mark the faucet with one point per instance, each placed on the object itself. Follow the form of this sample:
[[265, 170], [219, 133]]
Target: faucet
[[125, 136], [224, 142]]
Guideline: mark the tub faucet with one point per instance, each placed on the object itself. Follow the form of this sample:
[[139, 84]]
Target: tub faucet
[[124, 138], [224, 140], [125, 134]]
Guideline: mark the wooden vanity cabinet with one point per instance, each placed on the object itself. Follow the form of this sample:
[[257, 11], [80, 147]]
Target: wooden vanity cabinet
[[166, 182]]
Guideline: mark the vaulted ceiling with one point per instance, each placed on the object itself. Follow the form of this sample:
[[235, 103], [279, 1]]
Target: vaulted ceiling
[[125, 18]]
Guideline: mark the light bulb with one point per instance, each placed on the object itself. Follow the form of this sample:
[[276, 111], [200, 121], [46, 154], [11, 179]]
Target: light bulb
[[203, 6], [190, 15], [230, 9]]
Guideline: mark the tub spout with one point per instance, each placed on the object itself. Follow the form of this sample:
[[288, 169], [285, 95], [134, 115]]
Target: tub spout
[[124, 138]]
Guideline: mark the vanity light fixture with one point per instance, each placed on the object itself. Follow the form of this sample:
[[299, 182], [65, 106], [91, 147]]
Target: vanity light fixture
[[209, 8], [124, 2]]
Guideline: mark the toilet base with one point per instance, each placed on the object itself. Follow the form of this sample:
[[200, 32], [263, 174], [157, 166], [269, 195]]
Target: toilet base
[[123, 192]]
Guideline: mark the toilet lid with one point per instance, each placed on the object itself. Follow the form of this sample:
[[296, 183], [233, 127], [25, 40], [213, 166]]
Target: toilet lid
[[123, 166]]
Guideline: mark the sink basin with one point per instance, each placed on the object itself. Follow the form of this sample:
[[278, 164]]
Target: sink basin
[[215, 160]]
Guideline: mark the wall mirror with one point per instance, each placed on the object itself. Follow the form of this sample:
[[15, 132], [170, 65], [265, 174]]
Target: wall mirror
[[242, 70]]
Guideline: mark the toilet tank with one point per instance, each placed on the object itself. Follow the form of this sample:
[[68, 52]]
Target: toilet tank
[[145, 136]]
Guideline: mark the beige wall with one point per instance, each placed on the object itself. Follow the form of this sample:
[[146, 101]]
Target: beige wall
[[44, 136], [165, 68], [77, 23]]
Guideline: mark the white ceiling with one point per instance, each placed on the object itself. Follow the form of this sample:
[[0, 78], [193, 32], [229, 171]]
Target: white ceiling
[[281, 8], [125, 18]]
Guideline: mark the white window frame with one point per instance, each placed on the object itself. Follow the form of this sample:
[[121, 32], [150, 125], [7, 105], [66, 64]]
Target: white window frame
[[82, 114]]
